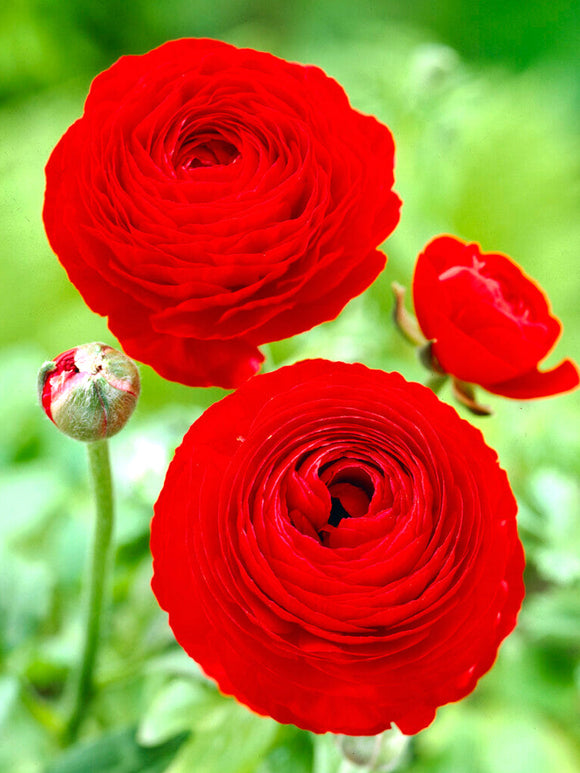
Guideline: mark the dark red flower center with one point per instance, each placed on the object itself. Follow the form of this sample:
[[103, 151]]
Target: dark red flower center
[[204, 150], [351, 490], [320, 498], [349, 499]]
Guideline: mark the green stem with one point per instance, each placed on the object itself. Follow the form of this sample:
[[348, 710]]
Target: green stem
[[83, 684], [435, 383]]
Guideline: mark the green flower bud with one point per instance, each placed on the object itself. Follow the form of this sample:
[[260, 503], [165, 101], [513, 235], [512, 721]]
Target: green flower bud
[[90, 391]]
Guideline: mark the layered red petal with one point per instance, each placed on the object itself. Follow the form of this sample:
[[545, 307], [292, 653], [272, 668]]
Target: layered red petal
[[233, 196]]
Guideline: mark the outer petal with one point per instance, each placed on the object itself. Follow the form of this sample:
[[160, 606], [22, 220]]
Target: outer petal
[[429, 296], [563, 378], [188, 360], [466, 357]]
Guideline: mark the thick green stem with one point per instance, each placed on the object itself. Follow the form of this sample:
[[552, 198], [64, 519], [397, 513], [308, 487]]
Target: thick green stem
[[83, 684]]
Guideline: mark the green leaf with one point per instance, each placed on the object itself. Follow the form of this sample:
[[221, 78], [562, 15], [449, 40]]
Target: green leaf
[[235, 744], [181, 705], [117, 752], [293, 753]]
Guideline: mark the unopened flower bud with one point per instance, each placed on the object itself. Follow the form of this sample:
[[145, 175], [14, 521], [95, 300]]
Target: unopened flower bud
[[90, 391]]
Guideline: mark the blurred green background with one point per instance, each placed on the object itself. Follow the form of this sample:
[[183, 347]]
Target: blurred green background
[[484, 101]]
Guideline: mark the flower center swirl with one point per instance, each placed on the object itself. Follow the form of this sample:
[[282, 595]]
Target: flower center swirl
[[203, 149]]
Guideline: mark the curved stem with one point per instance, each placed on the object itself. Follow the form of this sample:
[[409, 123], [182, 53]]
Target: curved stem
[[404, 320], [83, 684]]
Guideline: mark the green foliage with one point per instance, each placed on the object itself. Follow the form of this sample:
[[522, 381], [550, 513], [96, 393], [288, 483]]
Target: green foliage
[[226, 738], [118, 752], [486, 153]]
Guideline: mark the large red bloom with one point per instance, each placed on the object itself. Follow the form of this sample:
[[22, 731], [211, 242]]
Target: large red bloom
[[338, 549], [490, 324], [211, 199]]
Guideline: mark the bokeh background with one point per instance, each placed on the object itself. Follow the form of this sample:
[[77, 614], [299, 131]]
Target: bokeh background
[[484, 101]]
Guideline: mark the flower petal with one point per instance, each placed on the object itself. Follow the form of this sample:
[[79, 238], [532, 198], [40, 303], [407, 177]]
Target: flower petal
[[535, 383]]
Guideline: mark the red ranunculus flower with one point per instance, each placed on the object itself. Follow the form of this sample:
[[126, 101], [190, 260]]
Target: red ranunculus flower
[[489, 323], [338, 549], [212, 199]]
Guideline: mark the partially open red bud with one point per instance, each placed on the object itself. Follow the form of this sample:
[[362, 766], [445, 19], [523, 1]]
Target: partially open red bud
[[90, 391]]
